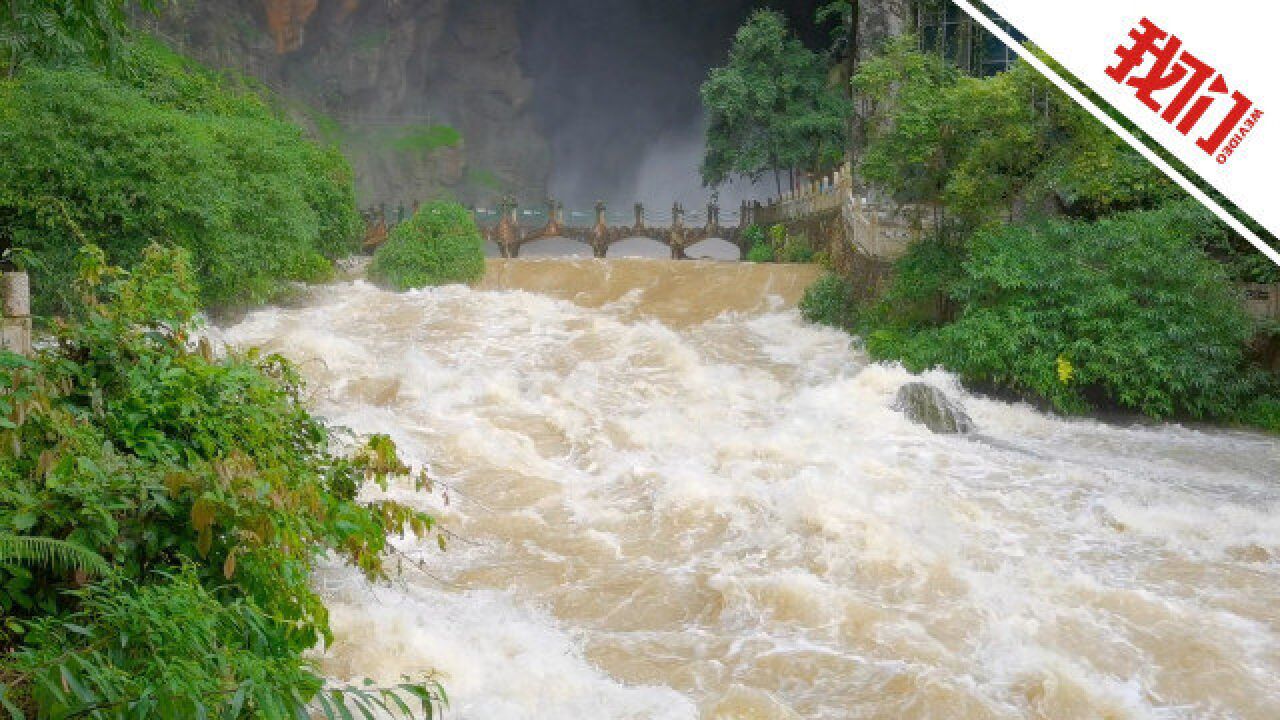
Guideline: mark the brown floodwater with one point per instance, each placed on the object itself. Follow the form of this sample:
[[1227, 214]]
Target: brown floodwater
[[676, 499]]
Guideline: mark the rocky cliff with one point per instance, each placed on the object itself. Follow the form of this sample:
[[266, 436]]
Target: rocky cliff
[[380, 77]]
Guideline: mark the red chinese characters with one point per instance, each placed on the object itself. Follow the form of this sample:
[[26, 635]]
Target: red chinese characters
[[1197, 85]]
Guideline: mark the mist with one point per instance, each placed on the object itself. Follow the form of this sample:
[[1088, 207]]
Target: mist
[[616, 95]]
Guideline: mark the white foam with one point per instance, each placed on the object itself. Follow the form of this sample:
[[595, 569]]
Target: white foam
[[682, 507]]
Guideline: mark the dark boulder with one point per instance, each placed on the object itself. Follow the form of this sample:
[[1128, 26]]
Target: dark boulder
[[927, 405]]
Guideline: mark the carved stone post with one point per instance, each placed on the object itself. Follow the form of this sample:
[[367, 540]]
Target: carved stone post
[[600, 232], [15, 326], [552, 228], [507, 232], [676, 238]]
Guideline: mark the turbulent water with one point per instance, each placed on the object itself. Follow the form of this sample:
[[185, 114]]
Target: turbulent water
[[675, 499]]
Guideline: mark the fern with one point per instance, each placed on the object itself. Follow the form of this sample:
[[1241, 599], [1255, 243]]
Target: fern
[[51, 553]]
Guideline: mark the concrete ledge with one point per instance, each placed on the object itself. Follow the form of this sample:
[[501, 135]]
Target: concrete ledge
[[1262, 301], [15, 335], [15, 302]]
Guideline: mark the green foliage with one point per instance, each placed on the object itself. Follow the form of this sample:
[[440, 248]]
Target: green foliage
[[840, 13], [50, 553], [327, 129], [1262, 412], [424, 139], [770, 107], [1121, 306], [923, 280], [907, 149], [167, 152], [790, 248], [174, 650], [831, 301], [776, 245], [439, 245], [1136, 311], [93, 31], [759, 249], [989, 148], [205, 484], [760, 252]]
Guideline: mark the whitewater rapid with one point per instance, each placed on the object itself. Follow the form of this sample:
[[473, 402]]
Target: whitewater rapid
[[676, 499]]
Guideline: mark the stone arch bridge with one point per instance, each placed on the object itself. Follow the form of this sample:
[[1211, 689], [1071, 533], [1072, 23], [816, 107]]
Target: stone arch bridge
[[511, 230]]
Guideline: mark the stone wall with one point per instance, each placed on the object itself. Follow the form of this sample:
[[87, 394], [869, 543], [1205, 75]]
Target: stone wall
[[862, 236], [369, 73], [1262, 301]]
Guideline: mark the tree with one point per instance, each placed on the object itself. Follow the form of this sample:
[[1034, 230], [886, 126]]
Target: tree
[[980, 149], [771, 108], [93, 30], [164, 149]]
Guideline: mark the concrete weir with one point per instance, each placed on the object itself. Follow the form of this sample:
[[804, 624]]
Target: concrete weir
[[509, 235]]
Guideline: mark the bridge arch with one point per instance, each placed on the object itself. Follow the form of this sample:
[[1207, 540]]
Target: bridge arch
[[714, 248], [638, 246], [554, 246]]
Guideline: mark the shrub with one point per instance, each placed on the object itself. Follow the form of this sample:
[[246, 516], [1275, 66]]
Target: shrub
[[758, 248], [1126, 310], [760, 253], [830, 301], [440, 244], [919, 293], [166, 151], [1262, 412], [790, 248], [796, 252], [207, 486]]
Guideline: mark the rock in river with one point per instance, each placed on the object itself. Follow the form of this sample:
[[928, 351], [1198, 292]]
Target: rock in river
[[929, 406]]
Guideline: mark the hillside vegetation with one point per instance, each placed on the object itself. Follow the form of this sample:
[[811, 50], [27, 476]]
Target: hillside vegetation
[[163, 507], [1060, 264], [159, 149]]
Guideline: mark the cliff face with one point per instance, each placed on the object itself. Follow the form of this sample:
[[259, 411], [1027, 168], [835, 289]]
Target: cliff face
[[375, 76]]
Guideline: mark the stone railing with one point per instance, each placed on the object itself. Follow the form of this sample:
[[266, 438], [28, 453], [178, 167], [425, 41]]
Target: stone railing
[[810, 198], [876, 229]]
